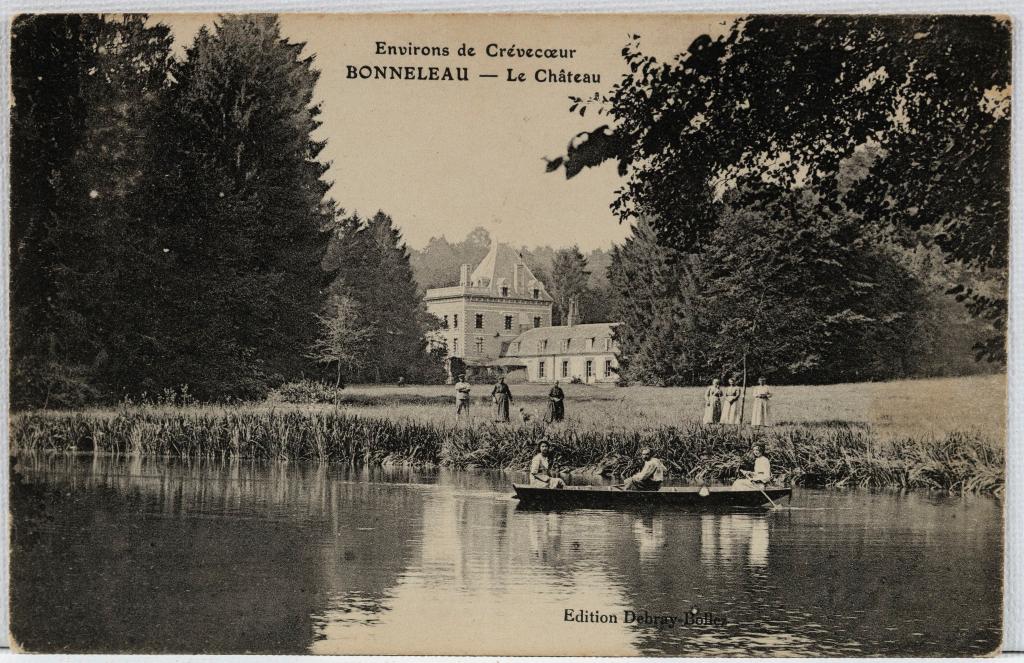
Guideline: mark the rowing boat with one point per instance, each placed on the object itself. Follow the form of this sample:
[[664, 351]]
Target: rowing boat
[[690, 497]]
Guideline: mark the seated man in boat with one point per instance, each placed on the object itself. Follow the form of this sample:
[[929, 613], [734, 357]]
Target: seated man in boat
[[540, 469], [761, 474], [650, 476]]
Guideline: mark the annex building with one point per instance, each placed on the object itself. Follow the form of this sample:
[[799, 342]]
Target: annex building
[[498, 318]]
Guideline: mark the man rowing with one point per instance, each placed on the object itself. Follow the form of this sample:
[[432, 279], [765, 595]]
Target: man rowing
[[761, 474], [650, 475]]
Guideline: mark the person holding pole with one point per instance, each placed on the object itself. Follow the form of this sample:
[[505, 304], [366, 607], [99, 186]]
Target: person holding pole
[[761, 416]]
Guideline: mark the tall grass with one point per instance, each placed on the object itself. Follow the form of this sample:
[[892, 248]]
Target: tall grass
[[833, 454]]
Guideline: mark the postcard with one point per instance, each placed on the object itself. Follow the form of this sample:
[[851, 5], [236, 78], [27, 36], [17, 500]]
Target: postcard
[[508, 334]]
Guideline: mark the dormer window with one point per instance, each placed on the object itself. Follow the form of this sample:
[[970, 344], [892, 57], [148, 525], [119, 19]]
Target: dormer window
[[565, 345], [504, 291], [536, 293], [607, 344]]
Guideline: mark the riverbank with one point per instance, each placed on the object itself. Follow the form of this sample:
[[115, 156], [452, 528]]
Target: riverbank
[[825, 454]]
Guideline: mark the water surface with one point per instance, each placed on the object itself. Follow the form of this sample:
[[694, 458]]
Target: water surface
[[157, 555]]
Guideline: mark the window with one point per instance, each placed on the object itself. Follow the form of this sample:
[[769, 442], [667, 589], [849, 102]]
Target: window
[[607, 368], [504, 291], [544, 345], [455, 321], [590, 368], [515, 348], [608, 344], [540, 369], [590, 344], [536, 321], [536, 293], [508, 322], [479, 320], [455, 346], [479, 345], [565, 345], [565, 368], [444, 325]]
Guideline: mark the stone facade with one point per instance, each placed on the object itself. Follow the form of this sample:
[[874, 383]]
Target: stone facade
[[585, 353], [498, 318], [489, 307]]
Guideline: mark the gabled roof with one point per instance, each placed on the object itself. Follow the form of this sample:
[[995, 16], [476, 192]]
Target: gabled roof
[[577, 335], [499, 267]]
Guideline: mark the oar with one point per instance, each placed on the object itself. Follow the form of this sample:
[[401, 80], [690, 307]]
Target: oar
[[774, 505]]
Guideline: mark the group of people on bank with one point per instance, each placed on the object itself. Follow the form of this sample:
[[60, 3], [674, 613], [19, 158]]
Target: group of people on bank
[[501, 395], [724, 405]]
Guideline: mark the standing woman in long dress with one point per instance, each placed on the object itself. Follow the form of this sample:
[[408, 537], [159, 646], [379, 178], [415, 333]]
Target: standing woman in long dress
[[502, 399], [712, 403], [731, 407], [761, 416], [556, 404]]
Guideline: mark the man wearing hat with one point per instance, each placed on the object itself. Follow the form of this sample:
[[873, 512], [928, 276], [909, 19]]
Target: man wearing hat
[[461, 396], [650, 476]]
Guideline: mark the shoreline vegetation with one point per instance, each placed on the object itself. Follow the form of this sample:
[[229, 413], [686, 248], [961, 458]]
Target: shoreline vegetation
[[410, 426]]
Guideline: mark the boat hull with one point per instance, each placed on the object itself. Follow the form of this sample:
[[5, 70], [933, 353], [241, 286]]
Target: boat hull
[[687, 497]]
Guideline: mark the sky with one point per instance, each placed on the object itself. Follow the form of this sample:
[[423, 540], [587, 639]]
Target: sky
[[445, 157]]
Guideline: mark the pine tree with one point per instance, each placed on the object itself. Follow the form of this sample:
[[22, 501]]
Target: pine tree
[[373, 269], [86, 90], [569, 277], [247, 220]]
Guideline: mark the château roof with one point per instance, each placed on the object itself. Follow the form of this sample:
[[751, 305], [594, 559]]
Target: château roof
[[527, 344], [499, 267]]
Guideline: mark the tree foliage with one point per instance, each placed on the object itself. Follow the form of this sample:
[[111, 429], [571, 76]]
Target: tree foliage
[[921, 102], [84, 147], [372, 268], [784, 286]]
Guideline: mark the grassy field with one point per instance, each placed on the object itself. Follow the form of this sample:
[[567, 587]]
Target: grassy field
[[933, 434], [911, 408]]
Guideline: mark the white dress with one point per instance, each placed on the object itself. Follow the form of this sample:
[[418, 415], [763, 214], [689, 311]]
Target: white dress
[[761, 416]]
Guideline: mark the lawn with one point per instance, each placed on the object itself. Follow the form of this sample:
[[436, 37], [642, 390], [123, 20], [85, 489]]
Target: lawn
[[911, 408]]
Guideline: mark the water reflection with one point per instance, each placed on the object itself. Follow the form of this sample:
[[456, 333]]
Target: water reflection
[[724, 536], [158, 555]]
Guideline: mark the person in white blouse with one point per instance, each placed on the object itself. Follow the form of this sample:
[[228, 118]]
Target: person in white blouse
[[540, 468], [760, 475]]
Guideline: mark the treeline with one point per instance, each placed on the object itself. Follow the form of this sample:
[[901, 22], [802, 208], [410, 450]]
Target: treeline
[[169, 216], [820, 199]]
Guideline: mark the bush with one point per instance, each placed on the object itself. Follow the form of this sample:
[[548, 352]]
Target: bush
[[306, 391]]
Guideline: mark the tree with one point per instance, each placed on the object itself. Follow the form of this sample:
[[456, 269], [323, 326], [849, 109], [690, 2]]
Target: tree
[[248, 218], [342, 339], [784, 286], [569, 278], [86, 88], [660, 340], [372, 268], [791, 100]]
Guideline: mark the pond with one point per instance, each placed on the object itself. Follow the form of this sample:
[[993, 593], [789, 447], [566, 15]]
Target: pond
[[157, 555]]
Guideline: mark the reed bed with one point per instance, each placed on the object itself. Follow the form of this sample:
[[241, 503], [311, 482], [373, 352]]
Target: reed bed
[[830, 454]]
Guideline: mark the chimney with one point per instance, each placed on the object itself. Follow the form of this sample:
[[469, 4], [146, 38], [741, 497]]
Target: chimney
[[464, 275], [573, 312]]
